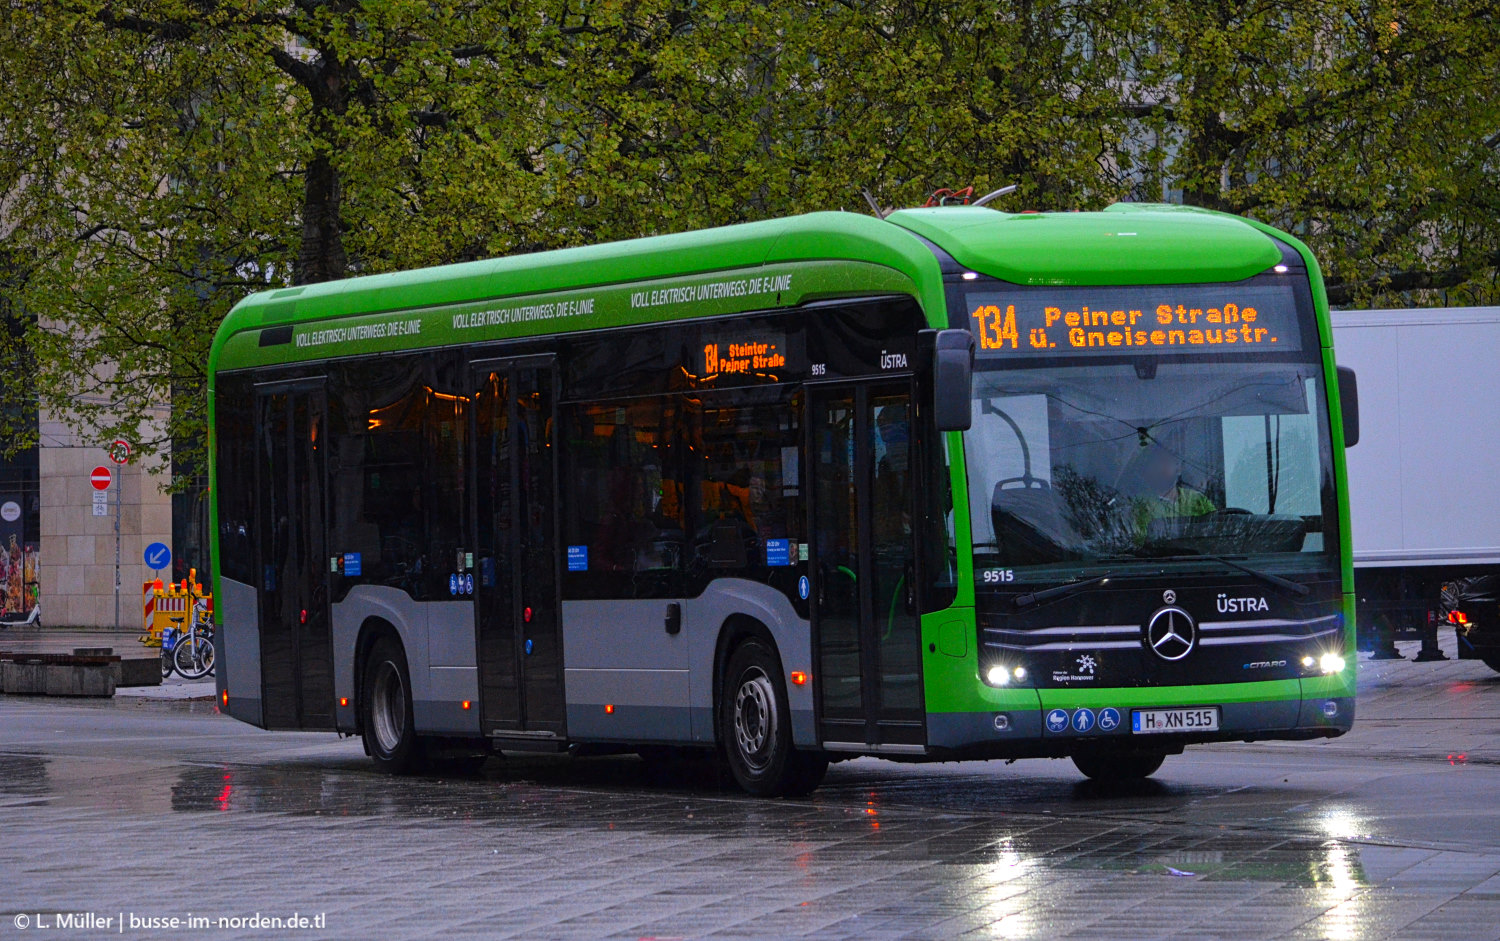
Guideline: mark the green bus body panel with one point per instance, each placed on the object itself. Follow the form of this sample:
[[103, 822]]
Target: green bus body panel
[[731, 292], [670, 259], [1126, 244]]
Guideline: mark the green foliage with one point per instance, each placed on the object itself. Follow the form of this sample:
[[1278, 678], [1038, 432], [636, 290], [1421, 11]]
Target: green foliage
[[161, 158]]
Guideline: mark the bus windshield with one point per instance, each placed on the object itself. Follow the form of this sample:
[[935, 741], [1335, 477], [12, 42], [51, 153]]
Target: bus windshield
[[1077, 466]]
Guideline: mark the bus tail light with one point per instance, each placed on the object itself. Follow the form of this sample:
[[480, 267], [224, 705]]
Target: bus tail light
[[798, 678]]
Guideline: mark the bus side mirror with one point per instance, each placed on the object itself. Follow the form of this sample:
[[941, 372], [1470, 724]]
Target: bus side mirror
[[1349, 405], [953, 380]]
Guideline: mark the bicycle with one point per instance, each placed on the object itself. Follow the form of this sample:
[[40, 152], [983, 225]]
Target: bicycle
[[169, 637], [193, 652]]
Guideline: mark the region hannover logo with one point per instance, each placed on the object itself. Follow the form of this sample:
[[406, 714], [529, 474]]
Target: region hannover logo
[[1171, 633]]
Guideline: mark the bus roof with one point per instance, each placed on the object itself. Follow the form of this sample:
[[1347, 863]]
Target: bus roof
[[1124, 244]]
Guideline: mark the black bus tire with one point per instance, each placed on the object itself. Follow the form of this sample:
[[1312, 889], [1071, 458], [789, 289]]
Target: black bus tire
[[1114, 767], [756, 729], [389, 733]]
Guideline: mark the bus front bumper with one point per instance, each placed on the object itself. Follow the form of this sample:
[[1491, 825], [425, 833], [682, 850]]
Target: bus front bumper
[[1055, 724]]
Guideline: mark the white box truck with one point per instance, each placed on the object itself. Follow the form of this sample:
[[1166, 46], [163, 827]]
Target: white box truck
[[1424, 478]]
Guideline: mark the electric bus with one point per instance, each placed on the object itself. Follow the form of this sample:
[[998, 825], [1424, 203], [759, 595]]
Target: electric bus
[[953, 483]]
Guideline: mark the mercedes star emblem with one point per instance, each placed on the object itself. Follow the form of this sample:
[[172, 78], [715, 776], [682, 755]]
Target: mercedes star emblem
[[1171, 633]]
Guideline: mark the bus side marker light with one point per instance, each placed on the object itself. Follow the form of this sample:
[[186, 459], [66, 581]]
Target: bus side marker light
[[798, 678], [343, 700], [224, 698], [609, 709], [467, 704]]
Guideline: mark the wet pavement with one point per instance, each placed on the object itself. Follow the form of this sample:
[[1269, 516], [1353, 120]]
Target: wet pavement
[[148, 809]]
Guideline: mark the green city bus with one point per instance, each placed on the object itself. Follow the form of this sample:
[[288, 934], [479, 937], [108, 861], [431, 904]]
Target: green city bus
[[953, 483]]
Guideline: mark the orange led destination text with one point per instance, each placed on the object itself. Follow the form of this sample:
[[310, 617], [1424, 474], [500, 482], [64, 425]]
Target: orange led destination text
[[1167, 326], [750, 356]]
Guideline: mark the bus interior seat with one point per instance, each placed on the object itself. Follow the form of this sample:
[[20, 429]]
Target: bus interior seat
[[1030, 524]]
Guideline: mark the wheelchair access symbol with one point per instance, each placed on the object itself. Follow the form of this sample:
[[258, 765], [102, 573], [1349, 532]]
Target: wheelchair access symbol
[[1109, 719]]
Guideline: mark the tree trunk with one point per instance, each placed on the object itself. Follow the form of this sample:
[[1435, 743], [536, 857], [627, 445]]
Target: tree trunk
[[321, 256]]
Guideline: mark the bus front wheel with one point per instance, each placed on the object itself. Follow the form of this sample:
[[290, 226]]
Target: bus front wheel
[[389, 733], [755, 727], [1109, 767]]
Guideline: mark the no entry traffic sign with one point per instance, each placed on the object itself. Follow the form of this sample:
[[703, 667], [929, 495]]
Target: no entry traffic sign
[[100, 478]]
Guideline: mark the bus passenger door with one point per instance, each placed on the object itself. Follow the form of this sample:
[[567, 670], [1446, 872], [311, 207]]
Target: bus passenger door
[[516, 614], [869, 674], [295, 638]]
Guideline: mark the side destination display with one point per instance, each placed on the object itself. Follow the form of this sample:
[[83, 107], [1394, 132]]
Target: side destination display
[[1222, 318]]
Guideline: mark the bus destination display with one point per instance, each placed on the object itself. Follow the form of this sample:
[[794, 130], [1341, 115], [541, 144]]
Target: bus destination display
[[759, 355], [1123, 320]]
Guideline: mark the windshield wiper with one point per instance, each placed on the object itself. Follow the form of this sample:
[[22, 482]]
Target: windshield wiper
[[1061, 591], [1286, 584]]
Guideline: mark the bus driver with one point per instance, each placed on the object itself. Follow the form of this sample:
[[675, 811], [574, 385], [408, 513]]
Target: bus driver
[[1159, 491]]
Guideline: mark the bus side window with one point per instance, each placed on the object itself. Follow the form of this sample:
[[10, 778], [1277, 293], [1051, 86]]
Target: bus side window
[[749, 517], [623, 476], [398, 489]]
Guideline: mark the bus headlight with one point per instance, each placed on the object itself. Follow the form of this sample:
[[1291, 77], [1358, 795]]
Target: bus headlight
[[1002, 675], [1331, 663]]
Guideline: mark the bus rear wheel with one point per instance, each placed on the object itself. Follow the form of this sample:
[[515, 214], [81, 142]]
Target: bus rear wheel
[[1115, 767], [389, 733], [755, 727]]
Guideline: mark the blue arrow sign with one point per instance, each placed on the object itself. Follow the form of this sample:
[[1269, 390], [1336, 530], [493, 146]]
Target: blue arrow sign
[[158, 556]]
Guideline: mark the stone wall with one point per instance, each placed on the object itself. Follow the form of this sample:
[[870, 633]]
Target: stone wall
[[78, 549]]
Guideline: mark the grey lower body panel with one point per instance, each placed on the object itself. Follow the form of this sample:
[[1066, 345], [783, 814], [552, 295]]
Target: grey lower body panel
[[445, 717], [626, 723], [238, 639], [961, 729], [1331, 712], [618, 653], [437, 638], [628, 705]]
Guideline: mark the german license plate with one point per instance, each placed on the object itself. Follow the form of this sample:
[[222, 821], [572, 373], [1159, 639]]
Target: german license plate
[[1153, 721]]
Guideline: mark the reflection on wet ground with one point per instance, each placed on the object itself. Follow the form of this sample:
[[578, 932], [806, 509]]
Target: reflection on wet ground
[[590, 847], [162, 810]]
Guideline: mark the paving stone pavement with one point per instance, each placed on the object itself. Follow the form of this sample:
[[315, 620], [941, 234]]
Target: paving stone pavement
[[158, 809]]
